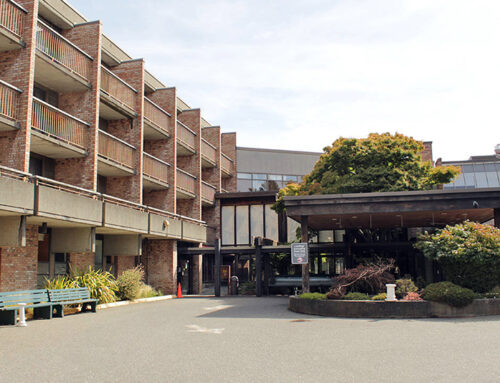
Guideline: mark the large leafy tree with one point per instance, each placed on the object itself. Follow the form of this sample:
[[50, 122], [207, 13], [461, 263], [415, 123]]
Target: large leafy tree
[[378, 163]]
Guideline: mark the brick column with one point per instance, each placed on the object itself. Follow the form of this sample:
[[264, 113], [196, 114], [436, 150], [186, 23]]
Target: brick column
[[229, 149], [211, 214], [81, 261], [191, 164], [165, 150], [130, 188], [197, 270], [18, 265], [82, 172], [160, 263], [17, 67]]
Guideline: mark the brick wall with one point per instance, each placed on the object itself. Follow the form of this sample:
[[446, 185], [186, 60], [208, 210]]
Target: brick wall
[[160, 263], [427, 152], [124, 262], [17, 68], [229, 149], [81, 261], [18, 265]]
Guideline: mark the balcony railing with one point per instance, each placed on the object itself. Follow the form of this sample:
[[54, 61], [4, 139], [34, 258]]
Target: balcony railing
[[186, 135], [155, 168], [116, 150], [12, 17], [186, 181], [118, 89], [226, 163], [56, 123], [208, 192], [8, 100], [208, 150], [156, 115], [62, 50]]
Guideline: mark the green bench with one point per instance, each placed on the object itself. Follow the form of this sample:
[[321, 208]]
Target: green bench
[[63, 297], [38, 300]]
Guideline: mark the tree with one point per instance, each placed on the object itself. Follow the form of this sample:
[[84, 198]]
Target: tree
[[469, 254], [378, 163]]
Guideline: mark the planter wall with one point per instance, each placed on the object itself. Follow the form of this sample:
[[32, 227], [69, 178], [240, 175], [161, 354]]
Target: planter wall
[[398, 309]]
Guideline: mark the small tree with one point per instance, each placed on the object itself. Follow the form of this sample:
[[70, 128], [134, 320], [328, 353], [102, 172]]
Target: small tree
[[469, 254]]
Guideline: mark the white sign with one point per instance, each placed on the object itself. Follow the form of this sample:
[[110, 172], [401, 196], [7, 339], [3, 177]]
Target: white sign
[[300, 253]]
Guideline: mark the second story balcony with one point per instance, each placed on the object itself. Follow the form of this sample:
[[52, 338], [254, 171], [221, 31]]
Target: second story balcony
[[186, 140], [119, 98], [208, 154], [57, 134], [155, 173], [226, 165], [116, 157], [156, 121], [9, 103], [11, 25], [60, 64], [208, 194], [186, 185]]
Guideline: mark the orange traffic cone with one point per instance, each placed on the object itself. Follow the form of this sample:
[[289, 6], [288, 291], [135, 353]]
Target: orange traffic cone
[[179, 291]]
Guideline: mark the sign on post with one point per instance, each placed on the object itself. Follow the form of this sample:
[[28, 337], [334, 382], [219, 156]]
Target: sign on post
[[300, 253]]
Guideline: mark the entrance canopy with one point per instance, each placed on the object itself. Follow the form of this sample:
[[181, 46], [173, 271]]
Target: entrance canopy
[[395, 209]]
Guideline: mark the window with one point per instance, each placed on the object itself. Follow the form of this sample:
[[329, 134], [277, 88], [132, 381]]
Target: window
[[246, 176], [227, 229], [46, 95], [271, 223], [257, 220], [242, 229]]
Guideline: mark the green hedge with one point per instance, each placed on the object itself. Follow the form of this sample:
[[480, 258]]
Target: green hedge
[[449, 293], [313, 296], [356, 297]]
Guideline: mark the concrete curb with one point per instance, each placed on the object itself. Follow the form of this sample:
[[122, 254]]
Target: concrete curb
[[126, 303]]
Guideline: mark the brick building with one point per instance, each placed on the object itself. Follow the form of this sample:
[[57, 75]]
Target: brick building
[[101, 163]]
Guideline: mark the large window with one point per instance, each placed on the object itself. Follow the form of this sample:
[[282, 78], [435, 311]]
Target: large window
[[227, 229], [477, 175], [257, 220], [264, 182], [242, 229]]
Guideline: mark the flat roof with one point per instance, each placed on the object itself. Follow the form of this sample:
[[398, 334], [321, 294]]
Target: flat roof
[[276, 150]]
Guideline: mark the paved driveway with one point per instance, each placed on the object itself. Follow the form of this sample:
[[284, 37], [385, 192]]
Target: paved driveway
[[246, 340]]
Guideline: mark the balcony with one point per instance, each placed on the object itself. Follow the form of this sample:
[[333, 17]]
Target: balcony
[[118, 97], [208, 194], [186, 140], [60, 65], [57, 134], [11, 25], [208, 154], [155, 173], [226, 165], [186, 185], [116, 157], [156, 121], [9, 96]]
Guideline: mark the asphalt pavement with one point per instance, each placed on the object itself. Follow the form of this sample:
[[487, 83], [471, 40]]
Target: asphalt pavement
[[246, 339]]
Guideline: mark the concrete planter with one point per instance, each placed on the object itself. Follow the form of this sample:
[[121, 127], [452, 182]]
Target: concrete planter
[[398, 309]]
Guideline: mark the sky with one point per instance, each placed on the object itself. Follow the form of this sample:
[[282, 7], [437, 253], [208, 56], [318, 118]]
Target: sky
[[298, 74]]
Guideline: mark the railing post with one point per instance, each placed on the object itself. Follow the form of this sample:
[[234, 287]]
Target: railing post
[[217, 257]]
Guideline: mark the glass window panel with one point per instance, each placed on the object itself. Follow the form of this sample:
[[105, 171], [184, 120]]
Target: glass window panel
[[325, 236], [246, 176], [291, 227], [260, 176], [227, 225], [339, 265], [478, 168], [259, 185], [275, 177], [273, 185], [290, 178], [469, 179], [271, 223], [339, 235], [498, 167], [257, 220], [490, 167], [481, 181], [467, 169], [244, 185], [493, 181], [459, 181], [242, 229]]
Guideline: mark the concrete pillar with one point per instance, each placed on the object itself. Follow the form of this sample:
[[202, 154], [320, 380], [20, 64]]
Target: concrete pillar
[[304, 233], [197, 270]]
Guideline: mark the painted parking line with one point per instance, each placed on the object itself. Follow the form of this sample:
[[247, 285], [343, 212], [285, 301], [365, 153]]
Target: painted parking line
[[196, 328]]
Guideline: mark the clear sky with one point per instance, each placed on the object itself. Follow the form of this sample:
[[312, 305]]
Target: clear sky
[[297, 74]]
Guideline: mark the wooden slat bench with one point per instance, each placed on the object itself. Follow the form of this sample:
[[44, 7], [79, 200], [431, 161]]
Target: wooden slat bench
[[63, 297], [36, 299]]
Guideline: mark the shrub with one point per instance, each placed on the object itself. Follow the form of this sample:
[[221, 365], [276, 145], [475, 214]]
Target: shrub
[[412, 296], [247, 288], [449, 293], [146, 291], [493, 293], [313, 296], [469, 254], [355, 296], [405, 286], [129, 283], [379, 297], [101, 284], [369, 278], [59, 282]]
